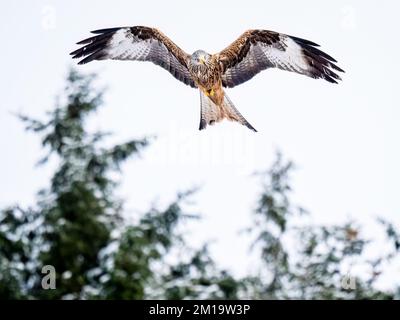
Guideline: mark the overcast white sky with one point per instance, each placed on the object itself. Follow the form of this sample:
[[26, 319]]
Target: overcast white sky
[[343, 138]]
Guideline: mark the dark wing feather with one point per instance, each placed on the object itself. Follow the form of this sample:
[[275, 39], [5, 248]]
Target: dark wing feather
[[136, 43], [257, 50]]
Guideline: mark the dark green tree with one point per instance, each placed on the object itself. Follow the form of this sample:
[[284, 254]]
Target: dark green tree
[[304, 261], [77, 226], [74, 218]]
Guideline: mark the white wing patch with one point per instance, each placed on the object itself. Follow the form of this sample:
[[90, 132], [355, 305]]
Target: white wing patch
[[289, 58], [135, 44], [124, 46], [288, 53]]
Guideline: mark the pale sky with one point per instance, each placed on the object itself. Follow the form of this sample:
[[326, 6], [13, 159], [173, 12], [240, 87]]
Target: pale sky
[[343, 138]]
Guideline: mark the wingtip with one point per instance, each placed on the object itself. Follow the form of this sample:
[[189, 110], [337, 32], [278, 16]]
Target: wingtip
[[106, 30], [83, 42], [75, 52], [340, 69], [305, 41]]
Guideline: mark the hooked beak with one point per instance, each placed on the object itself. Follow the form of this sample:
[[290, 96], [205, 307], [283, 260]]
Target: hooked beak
[[202, 60]]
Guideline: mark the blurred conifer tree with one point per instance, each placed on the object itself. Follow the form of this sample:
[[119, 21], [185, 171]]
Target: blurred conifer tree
[[77, 226]]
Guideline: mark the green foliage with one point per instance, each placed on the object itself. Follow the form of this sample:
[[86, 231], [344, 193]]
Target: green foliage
[[304, 261], [77, 226], [73, 220]]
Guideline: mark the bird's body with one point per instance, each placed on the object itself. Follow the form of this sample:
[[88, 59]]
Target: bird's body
[[206, 73], [252, 52]]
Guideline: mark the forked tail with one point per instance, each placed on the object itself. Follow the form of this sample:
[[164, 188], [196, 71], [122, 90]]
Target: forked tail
[[210, 113]]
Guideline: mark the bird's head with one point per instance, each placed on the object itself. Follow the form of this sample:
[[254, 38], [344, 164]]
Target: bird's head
[[200, 57]]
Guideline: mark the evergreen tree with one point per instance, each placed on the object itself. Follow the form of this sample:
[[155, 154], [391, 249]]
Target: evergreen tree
[[73, 220], [304, 261], [77, 226]]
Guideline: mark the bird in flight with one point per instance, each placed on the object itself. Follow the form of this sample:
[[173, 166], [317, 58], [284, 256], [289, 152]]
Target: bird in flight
[[252, 52]]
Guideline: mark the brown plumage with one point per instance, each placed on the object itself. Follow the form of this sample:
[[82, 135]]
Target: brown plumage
[[252, 52]]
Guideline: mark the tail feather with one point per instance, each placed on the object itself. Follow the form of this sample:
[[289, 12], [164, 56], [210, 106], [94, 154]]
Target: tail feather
[[238, 116], [210, 113]]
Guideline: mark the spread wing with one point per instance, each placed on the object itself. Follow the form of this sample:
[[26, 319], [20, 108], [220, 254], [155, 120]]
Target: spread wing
[[257, 50], [136, 43]]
